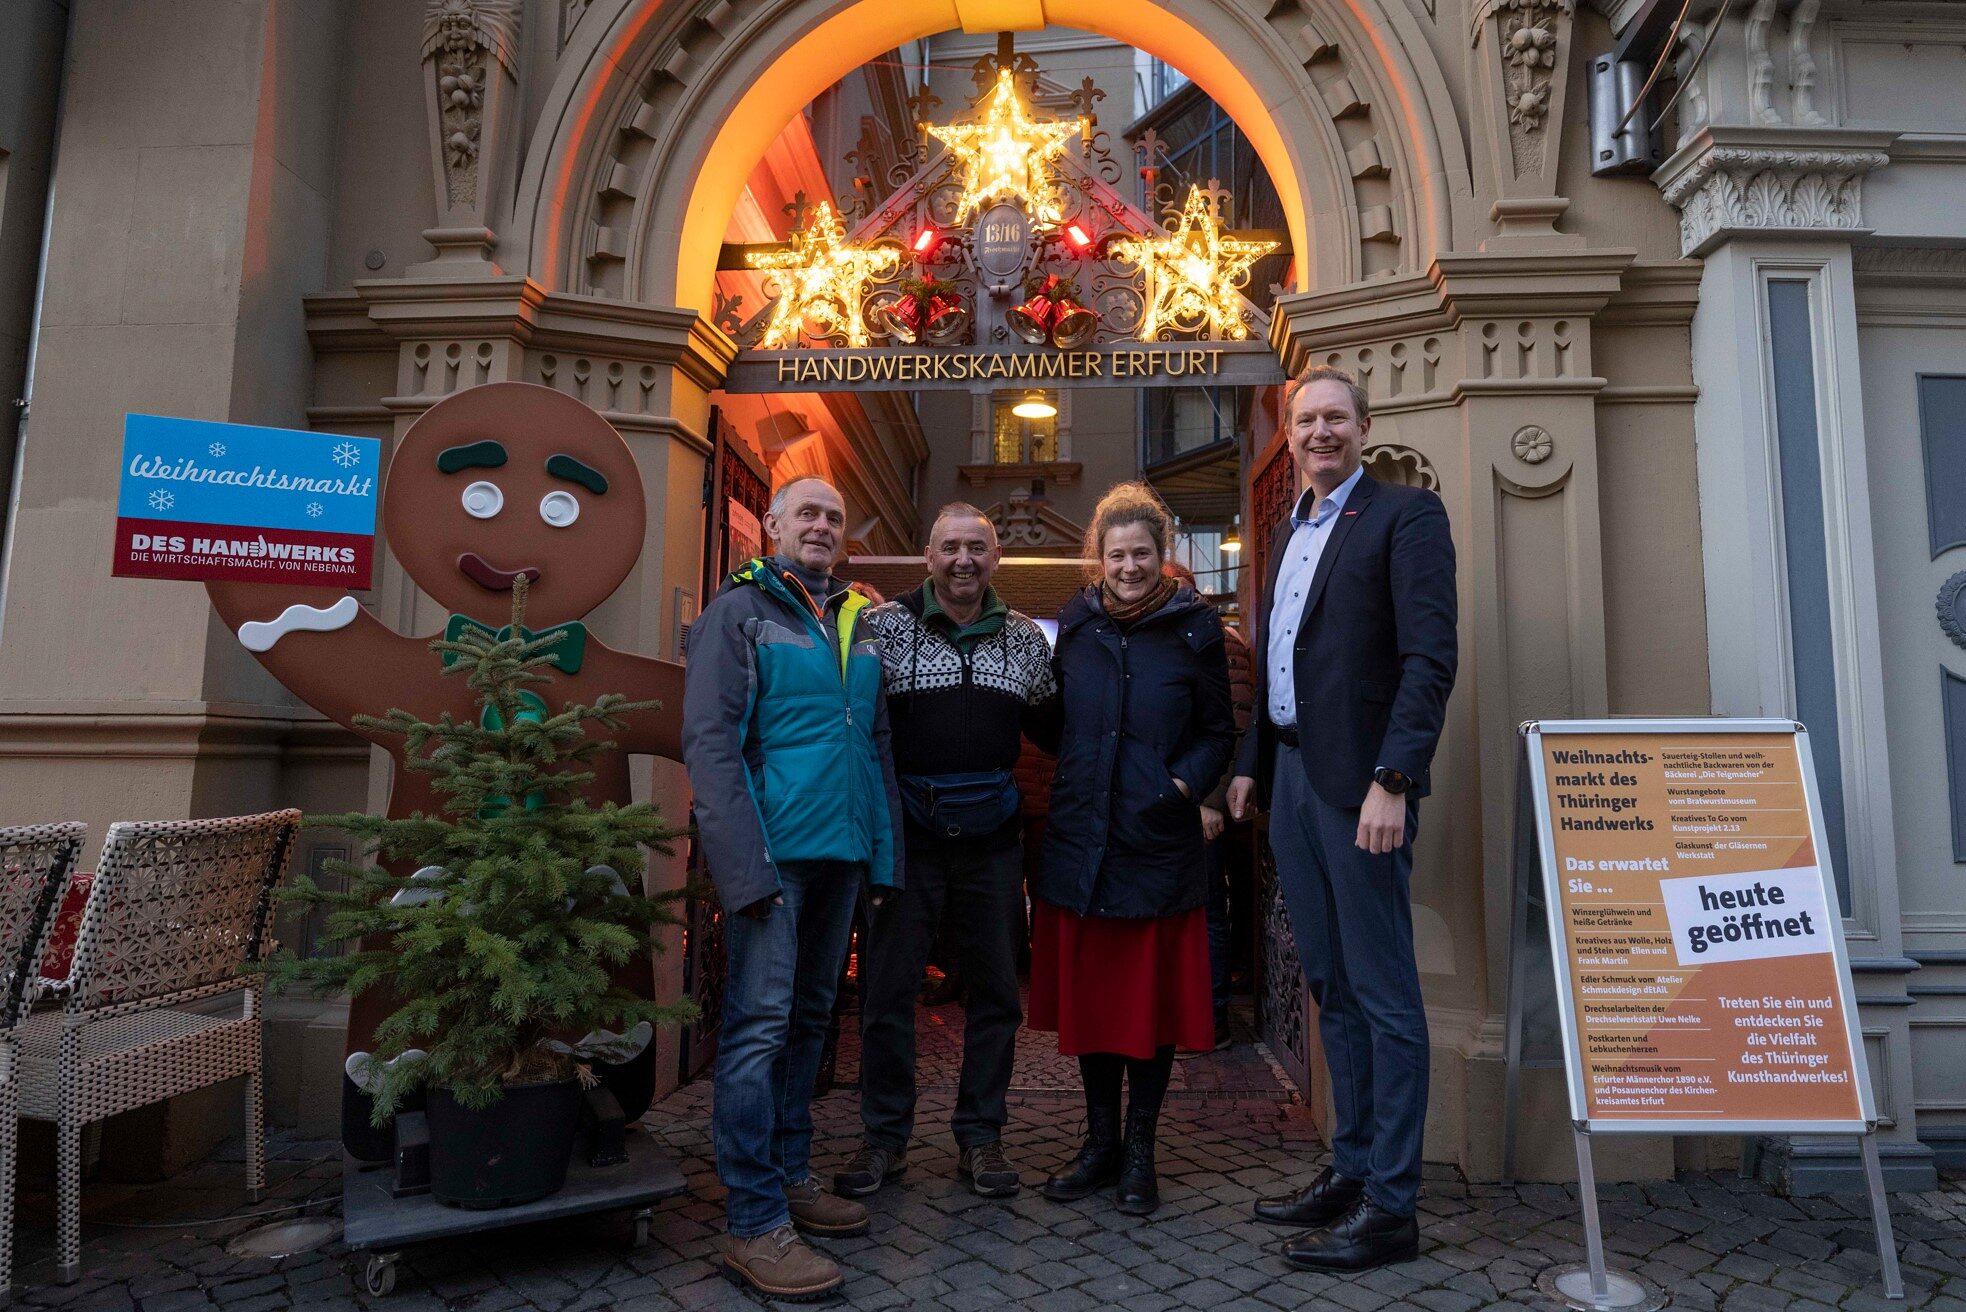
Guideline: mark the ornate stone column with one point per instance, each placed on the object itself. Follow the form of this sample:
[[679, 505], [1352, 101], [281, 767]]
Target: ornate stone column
[[1520, 59], [470, 89], [1771, 197], [1729, 181]]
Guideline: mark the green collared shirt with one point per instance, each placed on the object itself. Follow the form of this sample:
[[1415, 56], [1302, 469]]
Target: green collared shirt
[[988, 622]]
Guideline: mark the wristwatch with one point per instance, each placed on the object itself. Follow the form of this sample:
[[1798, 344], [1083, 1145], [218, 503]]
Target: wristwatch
[[1391, 780]]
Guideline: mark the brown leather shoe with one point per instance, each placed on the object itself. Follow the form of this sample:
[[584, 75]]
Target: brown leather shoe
[[819, 1213], [779, 1264]]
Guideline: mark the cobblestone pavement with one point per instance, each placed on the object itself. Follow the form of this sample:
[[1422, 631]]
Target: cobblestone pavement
[[1230, 1134]]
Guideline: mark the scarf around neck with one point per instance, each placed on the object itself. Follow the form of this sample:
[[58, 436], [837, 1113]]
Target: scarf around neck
[[1124, 613]]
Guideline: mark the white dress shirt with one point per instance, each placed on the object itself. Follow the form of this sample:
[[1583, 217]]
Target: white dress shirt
[[1300, 560]]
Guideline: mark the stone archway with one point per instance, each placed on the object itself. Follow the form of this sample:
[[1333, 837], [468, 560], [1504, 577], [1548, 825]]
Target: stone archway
[[1423, 214], [661, 110]]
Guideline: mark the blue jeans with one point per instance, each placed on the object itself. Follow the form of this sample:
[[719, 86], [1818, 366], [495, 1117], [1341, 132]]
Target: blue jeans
[[1352, 915], [784, 971]]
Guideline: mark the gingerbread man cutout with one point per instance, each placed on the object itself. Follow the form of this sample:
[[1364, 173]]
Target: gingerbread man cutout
[[492, 483]]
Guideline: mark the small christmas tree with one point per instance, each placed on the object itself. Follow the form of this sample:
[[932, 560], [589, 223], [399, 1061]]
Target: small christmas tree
[[501, 948]]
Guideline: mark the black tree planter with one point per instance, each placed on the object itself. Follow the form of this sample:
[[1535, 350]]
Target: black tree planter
[[514, 1151]]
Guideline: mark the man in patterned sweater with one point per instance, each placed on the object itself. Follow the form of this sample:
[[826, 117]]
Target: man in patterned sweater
[[961, 670]]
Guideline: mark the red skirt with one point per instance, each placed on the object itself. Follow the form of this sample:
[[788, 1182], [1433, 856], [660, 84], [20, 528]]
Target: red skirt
[[1125, 986]]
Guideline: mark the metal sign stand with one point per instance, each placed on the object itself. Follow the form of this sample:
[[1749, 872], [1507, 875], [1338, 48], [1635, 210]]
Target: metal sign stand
[[1594, 1286]]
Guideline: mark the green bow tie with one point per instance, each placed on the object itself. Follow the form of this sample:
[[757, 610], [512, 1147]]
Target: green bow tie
[[570, 650]]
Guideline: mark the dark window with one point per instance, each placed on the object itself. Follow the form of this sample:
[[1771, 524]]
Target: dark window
[[1798, 444], [1942, 432]]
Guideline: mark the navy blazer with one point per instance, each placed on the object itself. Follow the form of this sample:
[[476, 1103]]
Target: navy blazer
[[1375, 652]]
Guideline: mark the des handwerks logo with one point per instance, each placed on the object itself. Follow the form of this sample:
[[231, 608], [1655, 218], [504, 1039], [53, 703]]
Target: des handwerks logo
[[201, 500]]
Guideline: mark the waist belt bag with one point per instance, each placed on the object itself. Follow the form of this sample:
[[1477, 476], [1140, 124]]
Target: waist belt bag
[[960, 805]]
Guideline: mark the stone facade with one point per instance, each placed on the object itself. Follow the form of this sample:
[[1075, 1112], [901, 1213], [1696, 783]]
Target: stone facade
[[356, 207]]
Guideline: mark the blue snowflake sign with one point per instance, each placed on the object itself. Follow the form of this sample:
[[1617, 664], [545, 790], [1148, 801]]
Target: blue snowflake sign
[[203, 500]]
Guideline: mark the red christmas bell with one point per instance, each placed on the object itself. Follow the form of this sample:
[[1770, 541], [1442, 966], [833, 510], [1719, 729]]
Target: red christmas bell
[[1072, 324], [1031, 320], [935, 317], [945, 319], [1053, 316]]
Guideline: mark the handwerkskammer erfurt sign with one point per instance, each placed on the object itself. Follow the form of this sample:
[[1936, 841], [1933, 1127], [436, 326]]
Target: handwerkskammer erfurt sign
[[202, 500]]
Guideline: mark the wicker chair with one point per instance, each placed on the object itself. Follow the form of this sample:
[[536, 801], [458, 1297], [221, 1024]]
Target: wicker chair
[[177, 912], [35, 864]]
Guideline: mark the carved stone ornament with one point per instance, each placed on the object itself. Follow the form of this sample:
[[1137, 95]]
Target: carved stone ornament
[[1028, 522], [1532, 444], [469, 42], [1530, 35], [1910, 261], [1768, 189], [1389, 463], [1952, 609]]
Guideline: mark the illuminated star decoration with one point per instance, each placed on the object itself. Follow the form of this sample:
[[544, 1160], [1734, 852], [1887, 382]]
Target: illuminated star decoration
[[1191, 275], [822, 277], [1005, 153]]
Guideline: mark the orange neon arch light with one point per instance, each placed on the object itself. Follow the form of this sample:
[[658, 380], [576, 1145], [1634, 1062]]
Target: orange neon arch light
[[859, 32]]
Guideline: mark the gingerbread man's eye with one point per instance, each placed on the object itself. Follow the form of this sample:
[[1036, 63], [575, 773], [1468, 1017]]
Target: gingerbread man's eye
[[559, 509], [483, 500]]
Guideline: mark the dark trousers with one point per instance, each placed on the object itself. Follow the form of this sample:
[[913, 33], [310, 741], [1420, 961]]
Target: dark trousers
[[1352, 915], [982, 892], [1215, 865]]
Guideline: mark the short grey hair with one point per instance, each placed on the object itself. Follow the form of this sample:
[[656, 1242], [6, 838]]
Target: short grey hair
[[1324, 373], [784, 493], [960, 510]]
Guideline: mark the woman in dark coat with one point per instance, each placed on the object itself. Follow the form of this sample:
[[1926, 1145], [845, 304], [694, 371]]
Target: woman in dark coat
[[1119, 944]]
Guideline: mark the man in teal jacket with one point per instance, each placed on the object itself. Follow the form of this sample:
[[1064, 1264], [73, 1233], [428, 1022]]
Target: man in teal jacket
[[785, 735]]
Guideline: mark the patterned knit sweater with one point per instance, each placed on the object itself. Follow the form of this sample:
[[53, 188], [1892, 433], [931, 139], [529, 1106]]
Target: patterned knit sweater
[[951, 711]]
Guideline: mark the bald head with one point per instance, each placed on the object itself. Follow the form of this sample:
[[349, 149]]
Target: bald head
[[962, 554], [807, 523]]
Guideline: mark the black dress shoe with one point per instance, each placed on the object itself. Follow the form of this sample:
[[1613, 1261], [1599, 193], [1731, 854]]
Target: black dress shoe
[[1330, 1196], [1366, 1236]]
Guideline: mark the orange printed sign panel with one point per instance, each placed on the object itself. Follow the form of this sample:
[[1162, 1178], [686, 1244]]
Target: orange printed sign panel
[[1700, 937]]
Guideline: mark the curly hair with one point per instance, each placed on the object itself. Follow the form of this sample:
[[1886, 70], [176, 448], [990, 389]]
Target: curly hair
[[1123, 504]]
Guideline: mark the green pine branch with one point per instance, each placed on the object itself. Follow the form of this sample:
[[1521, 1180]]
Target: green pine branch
[[520, 930]]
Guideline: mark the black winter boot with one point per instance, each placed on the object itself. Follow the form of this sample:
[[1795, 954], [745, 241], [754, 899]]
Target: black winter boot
[[1098, 1162], [1139, 1191]]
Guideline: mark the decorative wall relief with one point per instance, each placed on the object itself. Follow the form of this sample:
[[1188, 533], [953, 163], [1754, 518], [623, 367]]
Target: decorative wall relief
[[1529, 50], [1952, 609], [1390, 463], [1532, 444], [1029, 523], [1521, 51], [1802, 72], [1733, 187], [471, 53]]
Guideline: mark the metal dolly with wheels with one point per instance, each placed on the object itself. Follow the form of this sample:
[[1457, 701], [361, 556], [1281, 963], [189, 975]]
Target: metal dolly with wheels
[[376, 1222]]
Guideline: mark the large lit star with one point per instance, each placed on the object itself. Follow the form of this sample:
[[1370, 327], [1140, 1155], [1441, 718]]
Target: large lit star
[[1191, 276], [1005, 153], [821, 278]]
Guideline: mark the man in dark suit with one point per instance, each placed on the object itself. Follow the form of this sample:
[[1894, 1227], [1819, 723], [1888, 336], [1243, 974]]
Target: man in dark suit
[[1356, 645]]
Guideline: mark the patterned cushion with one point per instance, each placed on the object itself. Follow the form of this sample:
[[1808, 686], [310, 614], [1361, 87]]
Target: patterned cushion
[[59, 955]]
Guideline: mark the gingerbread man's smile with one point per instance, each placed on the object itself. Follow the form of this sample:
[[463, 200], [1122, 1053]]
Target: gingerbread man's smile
[[487, 575]]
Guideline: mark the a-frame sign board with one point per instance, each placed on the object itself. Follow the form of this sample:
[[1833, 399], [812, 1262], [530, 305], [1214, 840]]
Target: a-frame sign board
[[1701, 980]]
